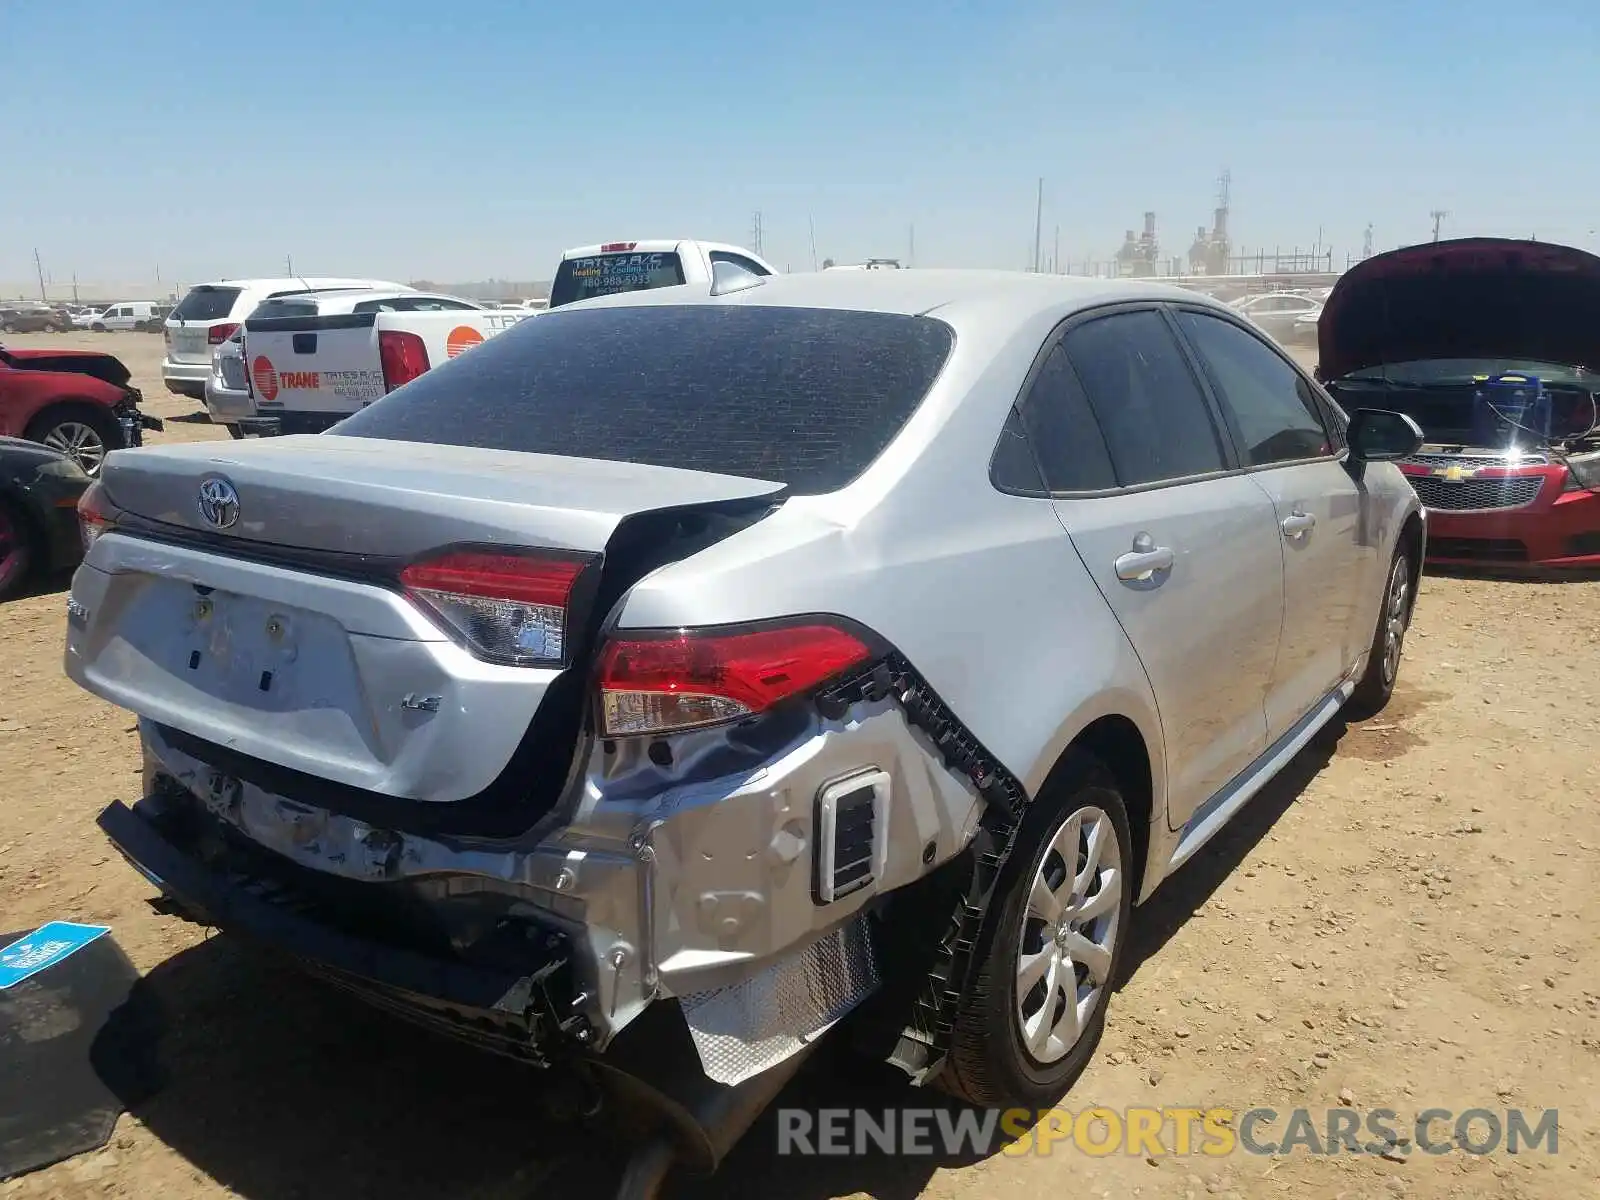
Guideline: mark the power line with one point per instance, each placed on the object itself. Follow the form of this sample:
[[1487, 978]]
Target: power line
[[1038, 225]]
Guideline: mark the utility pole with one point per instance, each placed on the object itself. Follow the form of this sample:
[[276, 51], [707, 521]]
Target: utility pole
[[1366, 242], [1438, 216], [39, 267], [288, 265], [755, 232], [74, 287], [1038, 225], [1055, 255], [812, 225]]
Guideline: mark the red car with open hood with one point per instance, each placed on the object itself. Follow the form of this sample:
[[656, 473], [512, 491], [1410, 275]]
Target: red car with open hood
[[1492, 345]]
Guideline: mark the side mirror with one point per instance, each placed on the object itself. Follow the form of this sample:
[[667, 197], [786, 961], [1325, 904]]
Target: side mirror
[[1377, 435]]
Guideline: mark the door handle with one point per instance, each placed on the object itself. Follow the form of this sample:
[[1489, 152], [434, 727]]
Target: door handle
[[1297, 524], [1144, 560]]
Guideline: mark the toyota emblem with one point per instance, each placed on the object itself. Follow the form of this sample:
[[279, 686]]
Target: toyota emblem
[[219, 503]]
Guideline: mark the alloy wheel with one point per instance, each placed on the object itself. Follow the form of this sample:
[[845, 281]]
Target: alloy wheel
[[1069, 933], [79, 442], [1395, 614]]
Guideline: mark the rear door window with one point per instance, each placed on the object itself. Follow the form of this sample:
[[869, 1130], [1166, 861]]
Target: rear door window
[[1063, 431], [1275, 413], [1157, 423], [206, 303], [806, 397], [608, 274]]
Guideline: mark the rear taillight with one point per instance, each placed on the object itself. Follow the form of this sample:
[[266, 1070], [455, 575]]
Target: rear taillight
[[690, 678], [218, 334], [95, 514], [403, 356], [507, 607]]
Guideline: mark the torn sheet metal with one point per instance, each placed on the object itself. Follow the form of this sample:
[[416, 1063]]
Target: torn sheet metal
[[745, 1029]]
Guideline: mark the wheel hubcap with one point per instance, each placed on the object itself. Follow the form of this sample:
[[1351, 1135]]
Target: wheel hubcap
[[80, 443], [1069, 933], [1394, 620]]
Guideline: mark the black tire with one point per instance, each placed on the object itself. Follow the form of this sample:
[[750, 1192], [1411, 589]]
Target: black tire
[[17, 550], [56, 420], [97, 327], [988, 1065], [1376, 685], [234, 431]]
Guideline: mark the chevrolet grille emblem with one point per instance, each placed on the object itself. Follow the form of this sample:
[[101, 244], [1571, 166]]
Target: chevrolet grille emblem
[[1454, 474]]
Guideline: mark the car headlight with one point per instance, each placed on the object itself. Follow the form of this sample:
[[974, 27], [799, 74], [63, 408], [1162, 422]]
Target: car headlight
[[1584, 470]]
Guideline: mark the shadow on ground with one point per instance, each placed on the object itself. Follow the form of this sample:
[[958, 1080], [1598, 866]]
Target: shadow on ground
[[279, 1087]]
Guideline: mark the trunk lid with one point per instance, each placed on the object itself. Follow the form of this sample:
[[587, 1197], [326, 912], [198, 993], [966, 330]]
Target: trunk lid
[[285, 637], [385, 499]]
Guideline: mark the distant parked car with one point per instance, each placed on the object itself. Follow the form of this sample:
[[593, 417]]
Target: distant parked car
[[1275, 313], [211, 313], [33, 318], [85, 318], [75, 401], [613, 268], [39, 493]]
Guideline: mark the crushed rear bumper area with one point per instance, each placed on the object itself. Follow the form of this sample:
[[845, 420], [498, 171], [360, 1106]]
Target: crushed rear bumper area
[[527, 1012]]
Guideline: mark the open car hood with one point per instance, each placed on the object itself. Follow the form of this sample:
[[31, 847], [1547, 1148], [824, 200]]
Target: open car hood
[[1467, 298], [105, 367]]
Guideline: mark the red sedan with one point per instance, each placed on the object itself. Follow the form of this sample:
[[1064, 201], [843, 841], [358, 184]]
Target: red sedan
[[75, 401]]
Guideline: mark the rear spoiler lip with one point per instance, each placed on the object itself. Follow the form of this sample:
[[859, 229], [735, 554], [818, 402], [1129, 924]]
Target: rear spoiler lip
[[364, 320]]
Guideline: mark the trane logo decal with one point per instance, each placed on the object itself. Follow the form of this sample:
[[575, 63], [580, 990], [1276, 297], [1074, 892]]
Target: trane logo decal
[[308, 380], [462, 337], [265, 378]]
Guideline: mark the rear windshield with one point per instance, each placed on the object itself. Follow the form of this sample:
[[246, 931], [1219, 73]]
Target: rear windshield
[[206, 303], [806, 397], [608, 274], [281, 307]]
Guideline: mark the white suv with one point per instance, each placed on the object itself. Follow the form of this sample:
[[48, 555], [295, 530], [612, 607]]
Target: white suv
[[211, 313]]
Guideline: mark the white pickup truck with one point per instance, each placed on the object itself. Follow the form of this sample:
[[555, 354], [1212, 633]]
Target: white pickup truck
[[301, 364], [613, 267]]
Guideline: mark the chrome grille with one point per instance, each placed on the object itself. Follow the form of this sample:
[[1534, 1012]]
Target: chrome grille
[[1476, 494], [1531, 458]]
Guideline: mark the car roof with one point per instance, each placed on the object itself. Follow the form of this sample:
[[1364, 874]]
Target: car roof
[[343, 300], [654, 246], [918, 291], [284, 282]]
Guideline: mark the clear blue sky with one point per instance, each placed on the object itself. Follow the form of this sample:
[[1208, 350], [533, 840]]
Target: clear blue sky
[[451, 141]]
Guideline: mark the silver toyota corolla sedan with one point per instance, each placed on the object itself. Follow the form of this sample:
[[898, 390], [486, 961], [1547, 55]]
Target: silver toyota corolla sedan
[[662, 681]]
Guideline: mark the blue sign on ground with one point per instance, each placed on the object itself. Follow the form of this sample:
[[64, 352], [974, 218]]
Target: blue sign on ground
[[44, 947]]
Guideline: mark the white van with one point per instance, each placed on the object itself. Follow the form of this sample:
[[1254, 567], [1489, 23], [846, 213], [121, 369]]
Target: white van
[[128, 314], [211, 313]]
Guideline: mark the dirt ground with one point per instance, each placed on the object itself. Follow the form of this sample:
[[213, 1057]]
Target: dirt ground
[[1406, 919]]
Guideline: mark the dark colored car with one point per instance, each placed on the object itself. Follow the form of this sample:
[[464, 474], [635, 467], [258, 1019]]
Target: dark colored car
[[1492, 345], [34, 319], [75, 401], [39, 492]]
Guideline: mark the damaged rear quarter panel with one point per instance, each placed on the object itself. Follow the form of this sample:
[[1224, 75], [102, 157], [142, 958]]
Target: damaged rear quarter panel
[[926, 553]]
